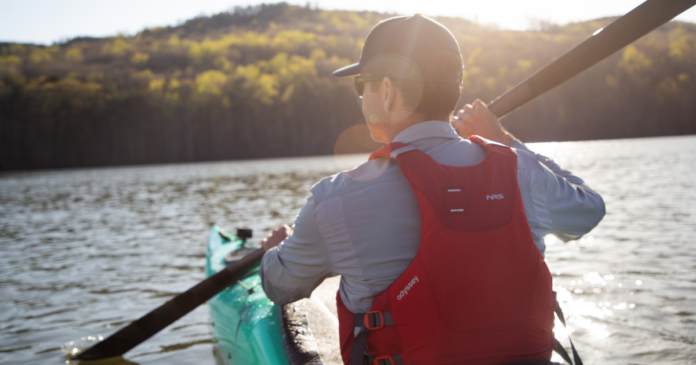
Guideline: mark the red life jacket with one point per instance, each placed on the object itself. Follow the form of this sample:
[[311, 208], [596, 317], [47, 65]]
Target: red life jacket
[[478, 290]]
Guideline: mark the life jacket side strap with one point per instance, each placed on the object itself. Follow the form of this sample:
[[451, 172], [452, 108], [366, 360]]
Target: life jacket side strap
[[386, 360], [373, 320], [366, 322], [557, 346], [561, 351], [357, 352], [358, 356]]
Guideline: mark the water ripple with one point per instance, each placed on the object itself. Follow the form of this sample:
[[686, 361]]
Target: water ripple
[[83, 252]]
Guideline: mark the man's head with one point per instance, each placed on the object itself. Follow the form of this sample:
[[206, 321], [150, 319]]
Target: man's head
[[419, 59]]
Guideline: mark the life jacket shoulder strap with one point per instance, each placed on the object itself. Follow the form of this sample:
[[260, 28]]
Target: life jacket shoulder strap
[[483, 142], [387, 150], [492, 145]]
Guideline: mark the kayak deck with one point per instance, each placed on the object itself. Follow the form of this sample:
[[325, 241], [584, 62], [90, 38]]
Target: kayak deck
[[250, 329], [245, 322]]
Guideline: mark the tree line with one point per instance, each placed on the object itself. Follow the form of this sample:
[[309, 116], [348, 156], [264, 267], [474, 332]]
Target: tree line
[[256, 82]]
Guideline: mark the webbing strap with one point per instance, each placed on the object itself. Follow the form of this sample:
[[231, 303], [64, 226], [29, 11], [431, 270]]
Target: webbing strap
[[386, 360], [558, 348], [561, 351], [357, 352], [366, 322], [375, 320]]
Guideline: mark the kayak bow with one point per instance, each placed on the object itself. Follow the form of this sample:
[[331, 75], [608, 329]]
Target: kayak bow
[[250, 329]]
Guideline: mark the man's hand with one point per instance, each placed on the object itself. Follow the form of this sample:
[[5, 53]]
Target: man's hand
[[276, 237], [476, 119]]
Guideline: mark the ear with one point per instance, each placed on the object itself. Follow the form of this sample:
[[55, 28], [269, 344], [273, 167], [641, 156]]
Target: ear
[[389, 94]]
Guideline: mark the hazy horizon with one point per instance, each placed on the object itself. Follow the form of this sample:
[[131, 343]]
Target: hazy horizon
[[47, 22]]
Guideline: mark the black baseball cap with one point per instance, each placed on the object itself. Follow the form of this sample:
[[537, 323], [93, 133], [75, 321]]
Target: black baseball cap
[[402, 47]]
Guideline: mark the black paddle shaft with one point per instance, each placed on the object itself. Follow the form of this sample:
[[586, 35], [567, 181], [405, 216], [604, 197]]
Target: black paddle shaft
[[153, 322], [620, 33]]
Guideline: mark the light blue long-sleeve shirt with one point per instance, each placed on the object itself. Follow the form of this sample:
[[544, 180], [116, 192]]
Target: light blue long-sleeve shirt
[[364, 224]]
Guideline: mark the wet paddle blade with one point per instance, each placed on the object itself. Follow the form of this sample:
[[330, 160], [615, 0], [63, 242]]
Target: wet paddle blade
[[153, 322], [622, 32]]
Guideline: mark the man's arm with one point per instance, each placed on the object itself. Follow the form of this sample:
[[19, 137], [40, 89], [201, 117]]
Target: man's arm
[[573, 208], [296, 260], [570, 207]]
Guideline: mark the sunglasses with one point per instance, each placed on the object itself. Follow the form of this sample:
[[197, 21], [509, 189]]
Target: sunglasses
[[360, 83]]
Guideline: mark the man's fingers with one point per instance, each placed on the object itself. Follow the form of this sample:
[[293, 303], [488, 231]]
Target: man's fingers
[[459, 118], [285, 229], [478, 104], [466, 110], [280, 233], [474, 108], [465, 125], [463, 119]]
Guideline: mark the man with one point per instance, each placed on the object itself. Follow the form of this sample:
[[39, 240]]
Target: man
[[434, 202]]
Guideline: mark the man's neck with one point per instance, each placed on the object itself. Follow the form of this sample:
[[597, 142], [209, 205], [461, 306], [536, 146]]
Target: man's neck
[[410, 121]]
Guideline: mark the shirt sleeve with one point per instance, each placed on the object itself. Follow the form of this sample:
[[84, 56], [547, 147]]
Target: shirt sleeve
[[573, 208], [300, 263]]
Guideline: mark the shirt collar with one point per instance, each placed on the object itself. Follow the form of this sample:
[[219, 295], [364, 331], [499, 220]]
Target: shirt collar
[[423, 130]]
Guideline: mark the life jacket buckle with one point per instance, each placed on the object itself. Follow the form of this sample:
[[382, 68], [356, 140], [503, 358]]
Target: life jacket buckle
[[375, 317], [382, 360]]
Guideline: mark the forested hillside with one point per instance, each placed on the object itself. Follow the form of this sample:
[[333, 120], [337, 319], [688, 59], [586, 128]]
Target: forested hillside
[[256, 82]]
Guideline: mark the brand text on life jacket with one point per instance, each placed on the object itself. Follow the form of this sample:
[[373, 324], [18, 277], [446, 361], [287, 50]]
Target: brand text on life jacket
[[408, 287]]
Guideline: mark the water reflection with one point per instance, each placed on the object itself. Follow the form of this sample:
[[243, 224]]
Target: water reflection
[[87, 251], [73, 348], [628, 289]]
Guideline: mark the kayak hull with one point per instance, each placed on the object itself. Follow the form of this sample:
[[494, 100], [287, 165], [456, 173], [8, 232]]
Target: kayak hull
[[245, 323]]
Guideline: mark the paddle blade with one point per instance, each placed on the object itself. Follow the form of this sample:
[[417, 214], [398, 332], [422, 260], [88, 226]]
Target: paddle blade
[[620, 33], [153, 322]]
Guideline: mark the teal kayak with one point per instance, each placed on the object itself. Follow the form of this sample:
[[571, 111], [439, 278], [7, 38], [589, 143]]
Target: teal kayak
[[250, 329], [246, 324]]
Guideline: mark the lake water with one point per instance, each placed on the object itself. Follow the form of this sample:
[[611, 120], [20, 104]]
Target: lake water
[[83, 252]]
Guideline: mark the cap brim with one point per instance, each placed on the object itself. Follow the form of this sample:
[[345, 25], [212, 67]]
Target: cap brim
[[353, 69]]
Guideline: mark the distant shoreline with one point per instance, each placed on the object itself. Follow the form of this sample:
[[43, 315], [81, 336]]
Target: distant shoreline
[[256, 83]]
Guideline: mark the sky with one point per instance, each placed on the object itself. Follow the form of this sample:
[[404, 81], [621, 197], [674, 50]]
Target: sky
[[50, 21]]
